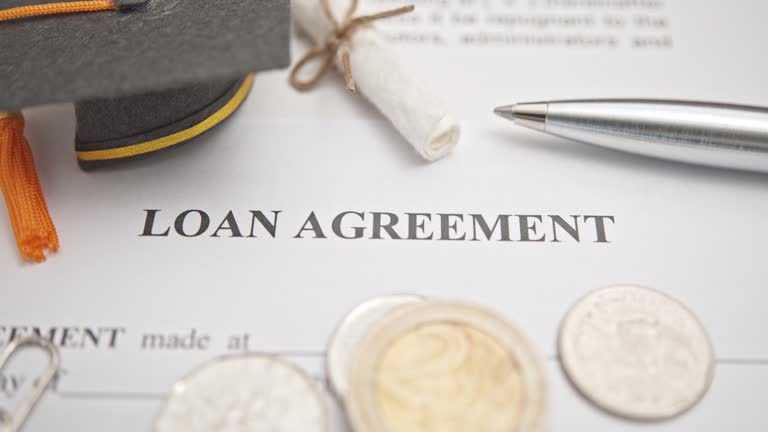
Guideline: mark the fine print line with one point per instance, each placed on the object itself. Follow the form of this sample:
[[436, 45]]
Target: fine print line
[[150, 396], [553, 357], [721, 361], [113, 395]]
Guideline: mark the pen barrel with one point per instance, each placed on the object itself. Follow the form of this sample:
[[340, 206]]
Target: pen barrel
[[715, 135]]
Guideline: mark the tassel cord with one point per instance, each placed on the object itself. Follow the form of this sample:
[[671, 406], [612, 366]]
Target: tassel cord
[[58, 8], [23, 194]]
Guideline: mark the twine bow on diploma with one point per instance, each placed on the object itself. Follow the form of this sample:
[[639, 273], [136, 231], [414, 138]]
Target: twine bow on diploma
[[336, 43]]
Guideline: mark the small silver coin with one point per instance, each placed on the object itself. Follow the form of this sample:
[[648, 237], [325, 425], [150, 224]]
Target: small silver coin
[[248, 393], [636, 352], [353, 329]]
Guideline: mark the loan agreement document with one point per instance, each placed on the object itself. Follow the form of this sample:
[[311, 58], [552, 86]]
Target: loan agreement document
[[261, 235]]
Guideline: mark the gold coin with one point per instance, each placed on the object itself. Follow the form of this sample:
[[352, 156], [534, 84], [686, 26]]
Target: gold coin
[[439, 366]]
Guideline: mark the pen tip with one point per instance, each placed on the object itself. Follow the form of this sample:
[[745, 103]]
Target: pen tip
[[506, 111], [531, 115]]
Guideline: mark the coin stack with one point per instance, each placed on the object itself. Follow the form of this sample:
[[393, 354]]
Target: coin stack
[[413, 363], [397, 362]]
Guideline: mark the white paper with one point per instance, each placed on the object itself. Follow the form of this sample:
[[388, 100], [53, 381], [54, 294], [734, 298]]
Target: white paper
[[693, 232], [405, 99]]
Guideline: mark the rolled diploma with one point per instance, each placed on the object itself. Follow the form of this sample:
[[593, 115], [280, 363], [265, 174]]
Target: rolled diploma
[[418, 114]]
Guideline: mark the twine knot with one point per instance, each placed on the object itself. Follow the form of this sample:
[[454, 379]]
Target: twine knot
[[336, 44]]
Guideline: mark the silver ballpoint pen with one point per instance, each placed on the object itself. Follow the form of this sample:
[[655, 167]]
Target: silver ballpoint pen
[[710, 134]]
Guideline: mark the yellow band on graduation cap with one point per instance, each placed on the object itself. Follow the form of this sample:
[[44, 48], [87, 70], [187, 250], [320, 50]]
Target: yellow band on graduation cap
[[176, 138]]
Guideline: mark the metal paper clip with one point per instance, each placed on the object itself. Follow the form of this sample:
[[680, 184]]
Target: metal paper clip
[[12, 421]]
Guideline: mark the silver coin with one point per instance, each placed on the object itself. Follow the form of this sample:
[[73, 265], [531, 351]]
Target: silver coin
[[636, 352], [247, 393], [352, 330]]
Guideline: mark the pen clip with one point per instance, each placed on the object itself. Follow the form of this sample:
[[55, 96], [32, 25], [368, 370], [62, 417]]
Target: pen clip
[[12, 421]]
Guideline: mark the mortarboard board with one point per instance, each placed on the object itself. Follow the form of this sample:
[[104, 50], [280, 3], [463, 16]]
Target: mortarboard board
[[144, 75]]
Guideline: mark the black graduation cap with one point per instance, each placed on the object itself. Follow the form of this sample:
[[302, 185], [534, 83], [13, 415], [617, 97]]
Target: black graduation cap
[[145, 75]]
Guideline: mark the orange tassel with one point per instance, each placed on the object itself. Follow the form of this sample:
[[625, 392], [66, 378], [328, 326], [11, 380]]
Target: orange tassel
[[24, 200], [56, 8]]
